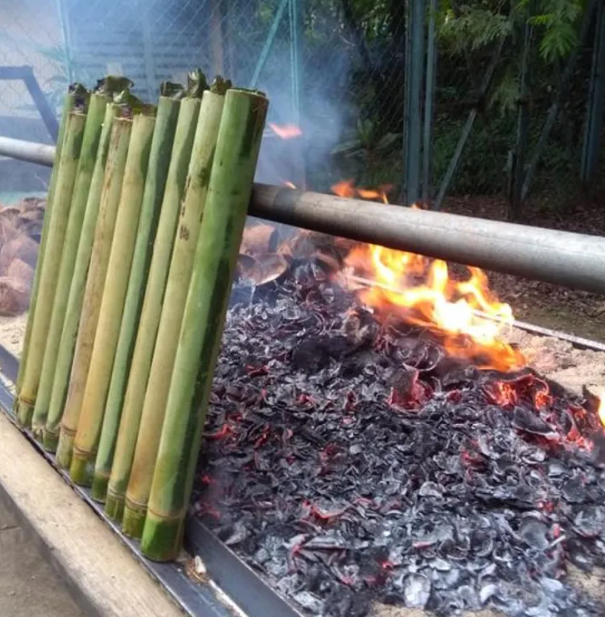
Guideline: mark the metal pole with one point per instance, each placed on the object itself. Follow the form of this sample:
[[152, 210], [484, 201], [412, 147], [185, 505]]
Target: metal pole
[[269, 42], [559, 257], [413, 88], [562, 258], [296, 41], [431, 62], [27, 151], [518, 166], [296, 25], [596, 100]]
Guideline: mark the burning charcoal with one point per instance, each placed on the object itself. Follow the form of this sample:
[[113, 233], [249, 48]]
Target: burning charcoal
[[416, 590], [349, 462]]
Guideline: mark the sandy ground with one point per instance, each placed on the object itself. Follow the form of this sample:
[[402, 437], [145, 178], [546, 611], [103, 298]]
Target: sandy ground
[[28, 585], [11, 333]]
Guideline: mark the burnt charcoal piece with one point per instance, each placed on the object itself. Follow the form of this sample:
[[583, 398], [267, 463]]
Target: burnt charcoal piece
[[313, 355], [527, 420], [350, 462]]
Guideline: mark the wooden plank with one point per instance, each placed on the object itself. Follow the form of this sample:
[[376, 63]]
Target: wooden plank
[[99, 571]]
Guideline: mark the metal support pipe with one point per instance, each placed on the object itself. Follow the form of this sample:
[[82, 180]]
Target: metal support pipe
[[559, 257], [563, 258], [27, 151]]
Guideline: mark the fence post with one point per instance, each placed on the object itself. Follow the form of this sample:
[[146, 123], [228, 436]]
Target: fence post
[[262, 60], [596, 100], [414, 61], [518, 160], [431, 69], [296, 41]]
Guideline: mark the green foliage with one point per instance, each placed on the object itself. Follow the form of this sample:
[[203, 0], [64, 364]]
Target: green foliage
[[558, 20], [473, 29]]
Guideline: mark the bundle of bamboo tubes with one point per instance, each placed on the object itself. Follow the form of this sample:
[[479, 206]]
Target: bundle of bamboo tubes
[[145, 215]]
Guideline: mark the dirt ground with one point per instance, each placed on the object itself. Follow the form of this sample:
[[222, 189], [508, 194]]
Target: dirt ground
[[28, 585]]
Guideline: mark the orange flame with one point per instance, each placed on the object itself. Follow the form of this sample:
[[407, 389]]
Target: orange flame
[[422, 292], [346, 188], [286, 131]]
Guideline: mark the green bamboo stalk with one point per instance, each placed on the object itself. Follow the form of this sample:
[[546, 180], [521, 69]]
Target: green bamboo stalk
[[74, 93], [112, 301], [152, 304], [159, 161], [88, 155], [76, 292], [70, 154], [108, 208], [216, 254], [172, 313]]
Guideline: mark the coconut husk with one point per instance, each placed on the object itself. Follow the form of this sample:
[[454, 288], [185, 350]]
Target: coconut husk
[[14, 297], [261, 269], [10, 215], [21, 272], [20, 247], [32, 203], [259, 239]]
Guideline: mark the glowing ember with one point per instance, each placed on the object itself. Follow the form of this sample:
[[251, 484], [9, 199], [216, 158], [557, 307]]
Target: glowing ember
[[346, 188], [286, 131], [466, 313]]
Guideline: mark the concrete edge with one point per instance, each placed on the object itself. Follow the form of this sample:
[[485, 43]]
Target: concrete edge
[[99, 572], [48, 552]]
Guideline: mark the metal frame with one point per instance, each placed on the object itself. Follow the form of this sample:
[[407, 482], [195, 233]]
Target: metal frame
[[26, 74]]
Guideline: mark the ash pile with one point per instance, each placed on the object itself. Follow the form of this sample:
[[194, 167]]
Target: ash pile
[[354, 464]]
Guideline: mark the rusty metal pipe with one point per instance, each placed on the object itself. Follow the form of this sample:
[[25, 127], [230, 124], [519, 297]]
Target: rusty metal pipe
[[559, 257]]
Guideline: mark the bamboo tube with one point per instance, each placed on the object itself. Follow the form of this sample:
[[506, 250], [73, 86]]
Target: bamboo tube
[[172, 313], [159, 161], [216, 254], [152, 304], [76, 292], [112, 301], [70, 154], [110, 198], [88, 155], [75, 91]]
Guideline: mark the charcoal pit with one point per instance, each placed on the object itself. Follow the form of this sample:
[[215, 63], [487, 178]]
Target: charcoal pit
[[361, 471]]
